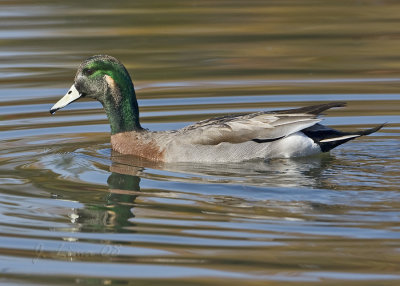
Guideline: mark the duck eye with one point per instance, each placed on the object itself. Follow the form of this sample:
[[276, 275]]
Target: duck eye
[[88, 72]]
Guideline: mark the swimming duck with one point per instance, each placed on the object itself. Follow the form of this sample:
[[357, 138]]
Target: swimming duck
[[229, 138]]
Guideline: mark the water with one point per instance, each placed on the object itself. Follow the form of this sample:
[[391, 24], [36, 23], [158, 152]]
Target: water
[[74, 212]]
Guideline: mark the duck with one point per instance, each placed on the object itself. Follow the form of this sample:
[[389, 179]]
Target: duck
[[229, 138]]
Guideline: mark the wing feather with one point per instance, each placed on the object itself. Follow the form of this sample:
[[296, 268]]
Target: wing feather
[[247, 127]]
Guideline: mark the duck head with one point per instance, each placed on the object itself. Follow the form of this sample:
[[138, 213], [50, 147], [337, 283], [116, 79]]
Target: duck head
[[105, 79]]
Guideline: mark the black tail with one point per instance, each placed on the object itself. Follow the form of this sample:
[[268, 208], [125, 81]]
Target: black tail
[[328, 138]]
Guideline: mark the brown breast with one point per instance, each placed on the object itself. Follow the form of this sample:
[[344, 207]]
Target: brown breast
[[137, 144]]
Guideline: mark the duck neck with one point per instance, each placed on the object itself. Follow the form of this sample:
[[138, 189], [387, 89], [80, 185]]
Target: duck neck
[[121, 107]]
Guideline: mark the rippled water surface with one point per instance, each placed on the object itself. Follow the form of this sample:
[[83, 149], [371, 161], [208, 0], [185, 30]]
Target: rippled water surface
[[74, 212]]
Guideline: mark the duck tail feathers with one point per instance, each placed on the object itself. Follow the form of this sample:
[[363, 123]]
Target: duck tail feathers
[[328, 138], [314, 109], [371, 130]]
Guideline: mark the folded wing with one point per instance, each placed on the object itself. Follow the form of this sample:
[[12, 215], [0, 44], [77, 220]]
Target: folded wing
[[259, 127], [256, 126]]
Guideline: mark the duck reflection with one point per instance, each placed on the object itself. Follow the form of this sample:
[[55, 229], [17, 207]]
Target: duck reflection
[[117, 213], [299, 172], [114, 214]]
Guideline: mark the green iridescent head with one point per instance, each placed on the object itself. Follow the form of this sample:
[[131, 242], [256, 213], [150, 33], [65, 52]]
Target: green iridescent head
[[105, 79]]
